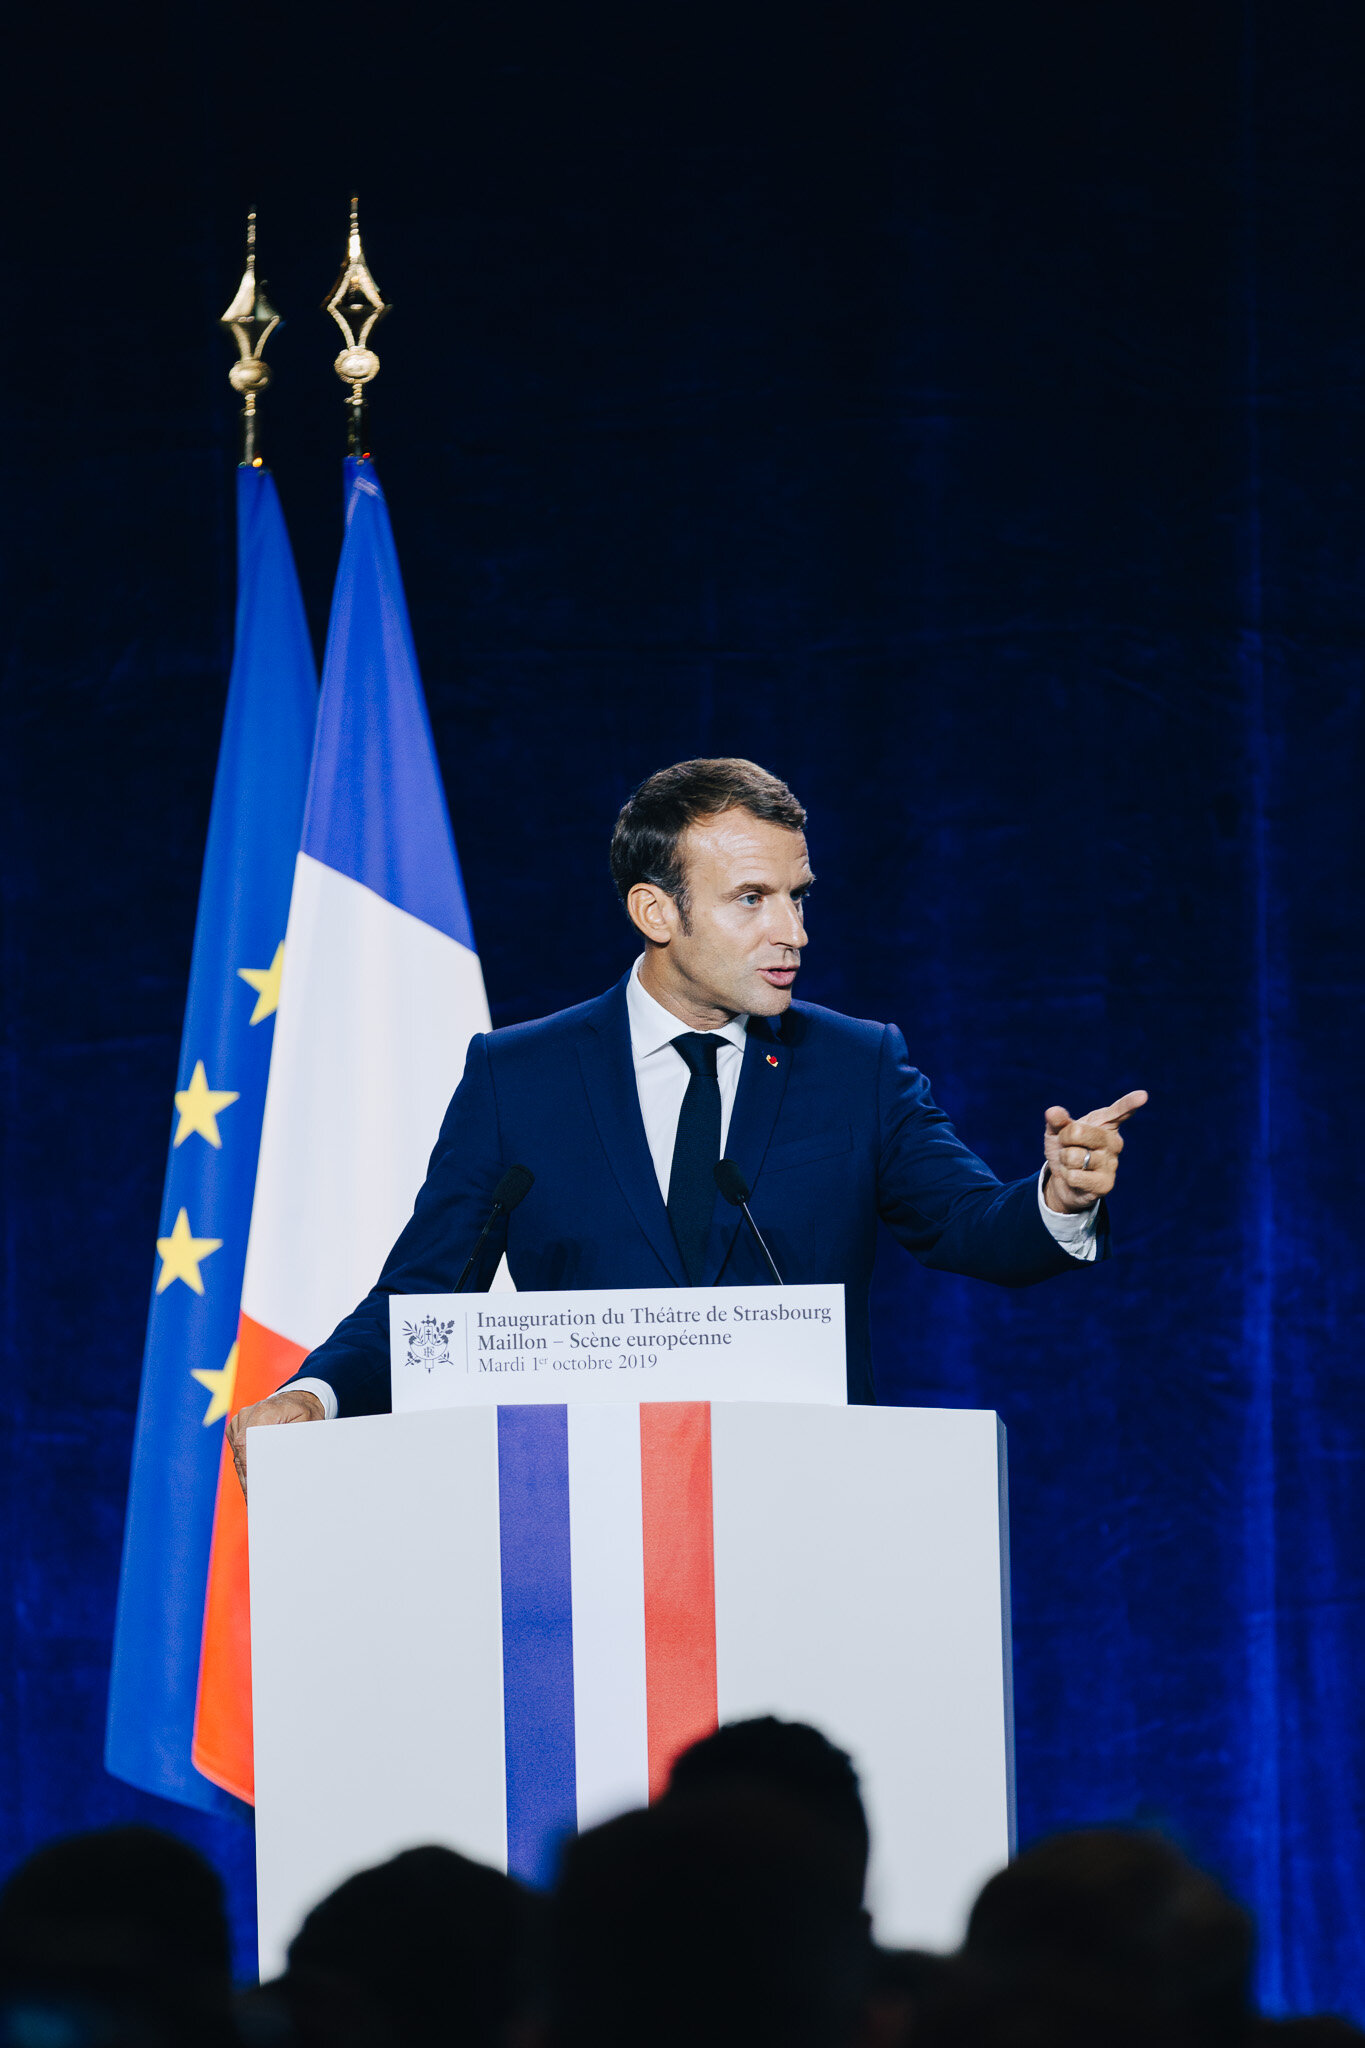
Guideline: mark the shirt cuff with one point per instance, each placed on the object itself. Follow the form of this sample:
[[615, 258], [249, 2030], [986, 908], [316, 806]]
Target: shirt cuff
[[323, 1392], [1075, 1234]]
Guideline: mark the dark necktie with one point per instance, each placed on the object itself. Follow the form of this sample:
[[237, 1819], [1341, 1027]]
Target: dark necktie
[[692, 1180]]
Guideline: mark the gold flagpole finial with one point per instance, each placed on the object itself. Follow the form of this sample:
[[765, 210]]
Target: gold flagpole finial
[[251, 320], [356, 304]]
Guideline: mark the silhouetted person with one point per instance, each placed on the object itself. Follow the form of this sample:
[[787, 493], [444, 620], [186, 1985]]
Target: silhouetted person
[[715, 1918], [791, 1760], [1120, 1911], [1047, 2006], [903, 1983], [133, 1877], [125, 1926], [429, 1948]]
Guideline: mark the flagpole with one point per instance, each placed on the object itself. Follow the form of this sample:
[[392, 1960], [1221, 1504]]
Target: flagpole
[[191, 1364], [357, 305], [251, 320]]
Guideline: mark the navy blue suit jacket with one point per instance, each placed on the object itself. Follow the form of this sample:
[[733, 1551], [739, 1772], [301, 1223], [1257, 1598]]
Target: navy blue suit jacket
[[832, 1128]]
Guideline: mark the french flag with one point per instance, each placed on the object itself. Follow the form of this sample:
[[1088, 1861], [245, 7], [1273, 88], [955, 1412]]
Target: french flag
[[380, 994]]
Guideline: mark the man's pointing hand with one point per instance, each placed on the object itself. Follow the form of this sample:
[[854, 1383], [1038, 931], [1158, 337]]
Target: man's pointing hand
[[1084, 1154]]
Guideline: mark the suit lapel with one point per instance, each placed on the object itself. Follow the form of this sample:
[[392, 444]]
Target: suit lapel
[[609, 1076], [762, 1085]]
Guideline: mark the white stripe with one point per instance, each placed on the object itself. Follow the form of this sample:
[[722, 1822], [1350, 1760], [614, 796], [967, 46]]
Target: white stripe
[[608, 1579], [376, 1013]]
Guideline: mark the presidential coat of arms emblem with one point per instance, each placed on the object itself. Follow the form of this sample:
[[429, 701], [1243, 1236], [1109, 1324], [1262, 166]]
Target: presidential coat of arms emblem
[[428, 1342]]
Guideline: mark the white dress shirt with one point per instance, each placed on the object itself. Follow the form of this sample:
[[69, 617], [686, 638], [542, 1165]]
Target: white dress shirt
[[661, 1078], [662, 1075]]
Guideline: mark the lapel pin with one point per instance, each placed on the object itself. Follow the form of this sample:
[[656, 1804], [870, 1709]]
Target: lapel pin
[[772, 1059]]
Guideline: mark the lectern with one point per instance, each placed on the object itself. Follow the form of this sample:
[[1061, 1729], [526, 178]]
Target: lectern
[[493, 1623]]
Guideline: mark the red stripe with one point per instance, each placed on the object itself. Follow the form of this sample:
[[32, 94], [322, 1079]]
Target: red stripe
[[222, 1717], [680, 1580]]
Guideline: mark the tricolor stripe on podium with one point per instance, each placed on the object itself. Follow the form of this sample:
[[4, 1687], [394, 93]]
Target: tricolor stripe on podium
[[608, 1611]]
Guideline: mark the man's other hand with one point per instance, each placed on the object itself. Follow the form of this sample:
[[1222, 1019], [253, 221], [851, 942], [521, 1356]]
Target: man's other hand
[[1083, 1153], [291, 1405]]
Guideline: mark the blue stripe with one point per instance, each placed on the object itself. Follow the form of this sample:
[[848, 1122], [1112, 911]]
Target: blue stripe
[[376, 806], [537, 1637]]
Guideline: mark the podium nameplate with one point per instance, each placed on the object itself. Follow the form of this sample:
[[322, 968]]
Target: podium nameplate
[[618, 1344]]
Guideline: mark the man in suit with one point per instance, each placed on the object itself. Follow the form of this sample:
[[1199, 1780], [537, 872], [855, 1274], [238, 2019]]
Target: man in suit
[[622, 1108]]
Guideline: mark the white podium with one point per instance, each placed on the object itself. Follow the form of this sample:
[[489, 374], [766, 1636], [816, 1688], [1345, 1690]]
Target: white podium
[[488, 1625]]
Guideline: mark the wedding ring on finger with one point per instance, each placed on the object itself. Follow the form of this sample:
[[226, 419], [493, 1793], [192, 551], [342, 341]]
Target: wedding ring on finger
[[1086, 1167]]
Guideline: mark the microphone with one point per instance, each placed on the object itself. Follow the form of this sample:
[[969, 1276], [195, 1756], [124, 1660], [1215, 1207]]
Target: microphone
[[515, 1185], [735, 1189]]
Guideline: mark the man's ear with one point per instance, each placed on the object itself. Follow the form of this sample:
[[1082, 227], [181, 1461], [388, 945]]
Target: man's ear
[[652, 912]]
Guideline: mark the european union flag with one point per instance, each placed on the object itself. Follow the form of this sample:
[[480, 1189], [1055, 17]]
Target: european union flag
[[190, 1361], [383, 995]]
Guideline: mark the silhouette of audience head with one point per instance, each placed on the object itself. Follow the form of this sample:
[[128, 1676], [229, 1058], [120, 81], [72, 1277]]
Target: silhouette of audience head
[[1119, 1914], [134, 1880], [118, 1936], [729, 1914], [976, 2006], [428, 1948], [791, 1761], [718, 1917]]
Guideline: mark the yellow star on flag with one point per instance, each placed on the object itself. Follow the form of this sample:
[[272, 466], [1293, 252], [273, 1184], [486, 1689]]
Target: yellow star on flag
[[220, 1383], [199, 1106], [181, 1253], [266, 982]]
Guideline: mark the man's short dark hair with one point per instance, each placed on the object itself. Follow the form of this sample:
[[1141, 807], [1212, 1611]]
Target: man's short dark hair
[[644, 846]]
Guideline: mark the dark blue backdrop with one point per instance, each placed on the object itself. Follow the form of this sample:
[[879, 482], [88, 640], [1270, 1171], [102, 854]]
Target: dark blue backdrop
[[957, 409]]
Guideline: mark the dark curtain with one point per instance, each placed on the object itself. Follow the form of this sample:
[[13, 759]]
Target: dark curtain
[[958, 410]]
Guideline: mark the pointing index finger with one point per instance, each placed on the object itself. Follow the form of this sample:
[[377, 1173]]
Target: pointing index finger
[[1120, 1111]]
